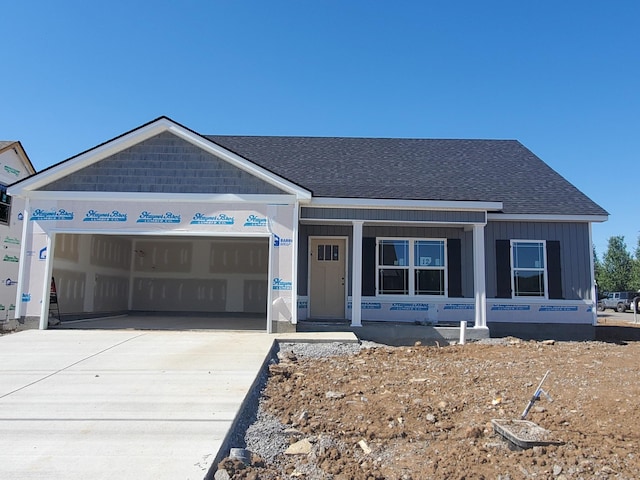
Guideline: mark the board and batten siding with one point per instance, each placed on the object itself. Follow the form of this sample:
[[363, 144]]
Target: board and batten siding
[[575, 252], [306, 231]]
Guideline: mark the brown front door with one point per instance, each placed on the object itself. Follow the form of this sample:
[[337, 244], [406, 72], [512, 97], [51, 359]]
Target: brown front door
[[327, 279]]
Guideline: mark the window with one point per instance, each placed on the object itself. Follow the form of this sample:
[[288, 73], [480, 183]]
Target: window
[[5, 205], [411, 267], [328, 253], [429, 263], [528, 271]]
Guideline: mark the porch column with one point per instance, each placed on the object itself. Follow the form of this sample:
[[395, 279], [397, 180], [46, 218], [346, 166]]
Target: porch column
[[479, 283], [356, 276], [21, 287]]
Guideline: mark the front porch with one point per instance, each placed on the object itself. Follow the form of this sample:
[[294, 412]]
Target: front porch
[[412, 263]]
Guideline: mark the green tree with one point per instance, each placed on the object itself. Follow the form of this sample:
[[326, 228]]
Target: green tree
[[617, 264], [635, 269], [597, 269]]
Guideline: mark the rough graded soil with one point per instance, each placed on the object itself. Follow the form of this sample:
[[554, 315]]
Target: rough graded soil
[[425, 412]]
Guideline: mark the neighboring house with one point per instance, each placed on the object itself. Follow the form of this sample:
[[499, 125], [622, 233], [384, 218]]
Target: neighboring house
[[14, 165], [302, 228]]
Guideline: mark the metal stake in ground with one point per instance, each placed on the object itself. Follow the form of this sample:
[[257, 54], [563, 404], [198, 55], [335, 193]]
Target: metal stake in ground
[[536, 396]]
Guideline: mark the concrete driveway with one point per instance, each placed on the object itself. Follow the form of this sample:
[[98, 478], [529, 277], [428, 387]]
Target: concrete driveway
[[121, 404]]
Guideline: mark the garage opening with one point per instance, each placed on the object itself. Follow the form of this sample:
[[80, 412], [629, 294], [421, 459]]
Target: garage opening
[[161, 282]]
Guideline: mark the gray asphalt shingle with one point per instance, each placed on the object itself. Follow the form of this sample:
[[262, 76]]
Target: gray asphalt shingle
[[417, 169]]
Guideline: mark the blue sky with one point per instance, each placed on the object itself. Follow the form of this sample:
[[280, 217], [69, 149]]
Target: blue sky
[[561, 77]]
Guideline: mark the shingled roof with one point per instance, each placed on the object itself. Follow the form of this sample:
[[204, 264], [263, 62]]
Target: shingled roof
[[417, 169], [399, 169]]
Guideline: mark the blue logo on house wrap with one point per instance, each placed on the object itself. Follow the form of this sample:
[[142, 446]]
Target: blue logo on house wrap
[[281, 242], [26, 297], [371, 306], [42, 255], [458, 306], [53, 214], [148, 217], [413, 307], [510, 307], [366, 305], [255, 221], [220, 219], [11, 170], [279, 284], [95, 216], [8, 282], [558, 308], [303, 304]]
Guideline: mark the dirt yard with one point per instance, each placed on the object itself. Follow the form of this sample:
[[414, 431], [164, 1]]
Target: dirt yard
[[425, 412]]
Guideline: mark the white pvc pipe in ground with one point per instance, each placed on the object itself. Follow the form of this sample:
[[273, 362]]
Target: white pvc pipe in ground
[[463, 332]]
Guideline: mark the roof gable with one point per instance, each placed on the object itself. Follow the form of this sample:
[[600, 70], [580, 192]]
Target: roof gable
[[164, 163], [161, 157], [14, 162]]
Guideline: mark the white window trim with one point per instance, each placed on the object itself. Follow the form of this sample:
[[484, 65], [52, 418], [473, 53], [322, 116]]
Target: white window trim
[[411, 267], [544, 270], [8, 222]]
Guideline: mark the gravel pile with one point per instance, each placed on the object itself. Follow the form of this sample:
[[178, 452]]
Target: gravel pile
[[266, 436], [318, 350], [262, 433]]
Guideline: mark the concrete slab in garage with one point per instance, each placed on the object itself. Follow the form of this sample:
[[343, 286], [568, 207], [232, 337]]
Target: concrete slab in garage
[[121, 404]]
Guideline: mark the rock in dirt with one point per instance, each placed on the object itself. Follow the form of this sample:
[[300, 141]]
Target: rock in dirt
[[302, 447], [222, 474], [334, 395], [365, 448]]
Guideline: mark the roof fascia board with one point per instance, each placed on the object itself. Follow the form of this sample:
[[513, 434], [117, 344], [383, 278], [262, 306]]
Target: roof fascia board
[[7, 147], [546, 218], [161, 197], [329, 202], [144, 133]]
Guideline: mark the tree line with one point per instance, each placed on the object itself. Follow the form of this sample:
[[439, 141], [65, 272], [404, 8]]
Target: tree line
[[618, 270]]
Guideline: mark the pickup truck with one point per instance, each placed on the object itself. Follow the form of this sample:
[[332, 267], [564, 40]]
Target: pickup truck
[[618, 301]]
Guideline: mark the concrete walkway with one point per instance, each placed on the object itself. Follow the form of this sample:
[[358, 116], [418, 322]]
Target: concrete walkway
[[123, 404]]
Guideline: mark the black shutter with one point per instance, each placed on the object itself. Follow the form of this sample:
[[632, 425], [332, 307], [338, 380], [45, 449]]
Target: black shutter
[[554, 269], [503, 269], [369, 266], [454, 266]]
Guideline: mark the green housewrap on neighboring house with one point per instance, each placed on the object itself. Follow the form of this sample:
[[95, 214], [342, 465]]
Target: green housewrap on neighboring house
[[14, 165], [307, 229]]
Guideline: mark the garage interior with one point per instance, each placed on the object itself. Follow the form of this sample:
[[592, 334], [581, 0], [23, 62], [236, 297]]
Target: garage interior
[[160, 282]]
